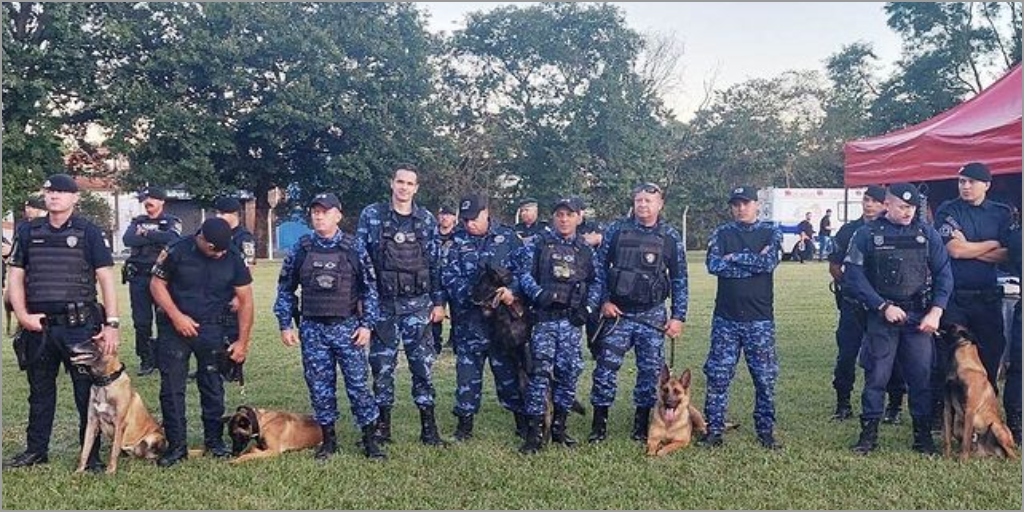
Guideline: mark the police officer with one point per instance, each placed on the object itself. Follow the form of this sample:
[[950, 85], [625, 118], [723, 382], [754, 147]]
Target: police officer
[[479, 242], [229, 209], [899, 268], [851, 325], [446, 220], [1012, 391], [146, 236], [35, 207], [528, 226], [591, 232], [973, 227], [743, 255], [193, 282], [401, 239], [340, 308], [640, 263], [554, 273], [56, 263]]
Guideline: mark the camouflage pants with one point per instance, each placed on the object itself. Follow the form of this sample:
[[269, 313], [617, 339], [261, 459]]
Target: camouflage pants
[[757, 341], [557, 361], [413, 332], [472, 348], [324, 348], [638, 332]]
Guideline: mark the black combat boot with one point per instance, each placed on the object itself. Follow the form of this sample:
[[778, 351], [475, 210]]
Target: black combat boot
[[641, 422], [599, 427], [428, 427], [767, 440], [330, 443], [383, 428], [27, 458], [923, 442], [843, 409], [464, 429], [558, 433], [522, 424], [868, 440], [370, 447], [175, 454], [532, 444], [892, 411], [147, 361]]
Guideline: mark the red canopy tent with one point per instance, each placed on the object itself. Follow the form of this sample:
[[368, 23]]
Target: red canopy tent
[[986, 128]]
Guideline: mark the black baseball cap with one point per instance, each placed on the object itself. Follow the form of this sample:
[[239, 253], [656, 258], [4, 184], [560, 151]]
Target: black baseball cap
[[36, 201], [571, 203], [217, 232], [446, 210], [227, 205], [527, 201], [976, 171], [327, 200], [60, 183], [153, 193], [471, 205], [876, 192], [906, 192], [744, 193]]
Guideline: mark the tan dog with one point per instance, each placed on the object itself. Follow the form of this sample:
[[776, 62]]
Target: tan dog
[[116, 409], [674, 419], [971, 412], [274, 433]]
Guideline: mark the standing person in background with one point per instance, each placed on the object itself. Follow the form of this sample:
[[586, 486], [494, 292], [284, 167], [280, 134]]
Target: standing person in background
[[805, 247], [528, 226], [146, 236], [825, 235], [230, 209], [446, 220]]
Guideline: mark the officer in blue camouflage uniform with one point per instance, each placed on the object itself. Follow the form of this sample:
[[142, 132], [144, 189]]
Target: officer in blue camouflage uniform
[[479, 242], [743, 255], [640, 262], [898, 267], [147, 235], [1012, 391], [338, 311], [56, 263], [446, 219], [852, 319], [528, 226], [973, 228], [193, 281], [555, 273], [401, 239]]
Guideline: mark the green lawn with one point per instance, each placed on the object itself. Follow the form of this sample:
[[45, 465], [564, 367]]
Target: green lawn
[[815, 470]]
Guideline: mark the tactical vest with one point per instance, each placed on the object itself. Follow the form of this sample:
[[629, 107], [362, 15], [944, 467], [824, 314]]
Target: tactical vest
[[749, 298], [563, 270], [404, 269], [898, 265], [58, 270], [329, 280], [638, 274]]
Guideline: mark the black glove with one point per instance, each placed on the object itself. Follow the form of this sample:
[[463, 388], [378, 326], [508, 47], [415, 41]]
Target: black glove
[[230, 370]]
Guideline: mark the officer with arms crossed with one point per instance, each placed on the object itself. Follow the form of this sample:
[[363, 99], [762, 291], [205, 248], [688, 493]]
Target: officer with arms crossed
[[193, 282], [446, 219], [146, 236], [528, 226], [339, 309], [56, 262], [899, 269]]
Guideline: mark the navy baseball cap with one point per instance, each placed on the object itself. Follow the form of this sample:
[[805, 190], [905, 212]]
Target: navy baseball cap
[[446, 210], [60, 183], [153, 193], [571, 203], [227, 205], [976, 171], [471, 205], [327, 200], [876, 192], [906, 193], [743, 193], [217, 232]]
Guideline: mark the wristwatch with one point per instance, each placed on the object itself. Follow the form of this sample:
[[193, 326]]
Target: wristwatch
[[113, 322]]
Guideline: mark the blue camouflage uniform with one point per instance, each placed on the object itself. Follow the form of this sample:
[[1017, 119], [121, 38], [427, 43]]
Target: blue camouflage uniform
[[158, 233], [636, 268], [327, 332], [471, 337], [743, 257], [444, 241], [554, 274], [527, 233], [1012, 391], [404, 252]]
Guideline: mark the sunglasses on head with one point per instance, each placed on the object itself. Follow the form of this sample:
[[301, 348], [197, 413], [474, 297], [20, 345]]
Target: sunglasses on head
[[649, 188]]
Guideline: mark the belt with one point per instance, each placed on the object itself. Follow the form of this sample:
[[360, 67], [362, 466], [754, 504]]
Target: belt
[[547, 315], [327, 320]]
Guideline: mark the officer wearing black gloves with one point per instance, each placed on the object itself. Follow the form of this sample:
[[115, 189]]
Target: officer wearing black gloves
[[146, 236], [56, 263], [899, 269], [193, 281]]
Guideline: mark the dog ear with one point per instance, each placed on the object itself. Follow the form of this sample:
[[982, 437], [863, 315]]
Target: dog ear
[[664, 375], [684, 379]]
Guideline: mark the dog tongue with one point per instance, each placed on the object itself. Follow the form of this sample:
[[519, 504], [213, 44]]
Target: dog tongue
[[669, 415]]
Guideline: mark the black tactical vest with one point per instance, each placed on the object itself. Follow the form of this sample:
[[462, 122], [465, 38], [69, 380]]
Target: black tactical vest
[[897, 267], [638, 277], [745, 299], [563, 270], [329, 280], [58, 270], [404, 268]]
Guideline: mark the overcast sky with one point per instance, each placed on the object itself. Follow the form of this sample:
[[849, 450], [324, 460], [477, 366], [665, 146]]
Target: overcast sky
[[733, 42]]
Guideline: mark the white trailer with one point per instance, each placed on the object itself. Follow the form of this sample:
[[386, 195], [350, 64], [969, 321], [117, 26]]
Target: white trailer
[[787, 207]]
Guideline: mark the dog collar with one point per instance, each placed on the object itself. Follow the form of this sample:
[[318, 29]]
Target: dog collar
[[107, 379]]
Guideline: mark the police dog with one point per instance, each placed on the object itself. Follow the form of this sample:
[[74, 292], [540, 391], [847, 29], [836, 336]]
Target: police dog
[[273, 433], [971, 410], [673, 419], [116, 409]]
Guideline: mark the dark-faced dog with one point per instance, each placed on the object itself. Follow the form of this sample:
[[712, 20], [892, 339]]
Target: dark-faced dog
[[271, 432], [673, 419], [116, 409], [971, 412]]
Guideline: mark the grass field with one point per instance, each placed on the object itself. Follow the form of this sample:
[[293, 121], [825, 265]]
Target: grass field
[[815, 470]]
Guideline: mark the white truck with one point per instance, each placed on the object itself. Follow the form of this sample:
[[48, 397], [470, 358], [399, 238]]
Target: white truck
[[787, 207]]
